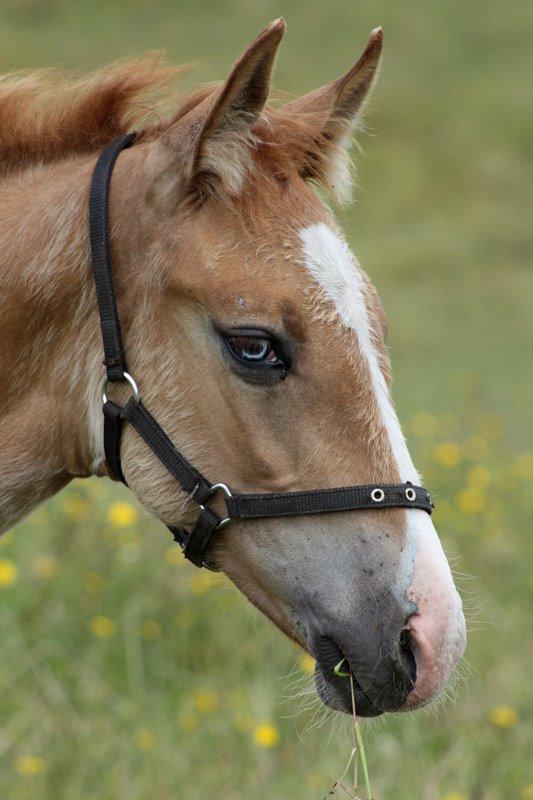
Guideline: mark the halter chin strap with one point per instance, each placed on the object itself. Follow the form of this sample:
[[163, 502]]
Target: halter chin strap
[[238, 506]]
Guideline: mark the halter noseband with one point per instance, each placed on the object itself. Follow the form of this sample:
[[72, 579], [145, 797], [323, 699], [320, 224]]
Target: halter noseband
[[238, 506]]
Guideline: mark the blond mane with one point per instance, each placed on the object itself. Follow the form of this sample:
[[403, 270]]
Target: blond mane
[[49, 115]]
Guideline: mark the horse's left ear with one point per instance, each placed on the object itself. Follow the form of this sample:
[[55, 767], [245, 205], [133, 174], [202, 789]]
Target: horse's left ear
[[212, 140], [332, 113]]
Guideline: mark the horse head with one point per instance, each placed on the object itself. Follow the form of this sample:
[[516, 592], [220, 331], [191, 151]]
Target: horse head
[[260, 345]]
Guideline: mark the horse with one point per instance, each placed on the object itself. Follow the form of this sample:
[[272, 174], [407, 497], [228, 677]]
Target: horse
[[255, 337]]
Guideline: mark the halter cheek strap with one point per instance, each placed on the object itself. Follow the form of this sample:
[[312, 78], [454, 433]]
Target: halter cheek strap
[[200, 490]]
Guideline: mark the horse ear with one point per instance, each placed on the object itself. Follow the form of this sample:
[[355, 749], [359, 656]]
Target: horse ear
[[333, 111], [214, 137]]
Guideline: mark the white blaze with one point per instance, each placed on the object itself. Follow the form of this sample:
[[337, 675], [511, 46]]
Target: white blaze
[[335, 269], [424, 573]]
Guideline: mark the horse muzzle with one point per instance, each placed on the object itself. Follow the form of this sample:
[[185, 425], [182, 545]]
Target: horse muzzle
[[401, 672]]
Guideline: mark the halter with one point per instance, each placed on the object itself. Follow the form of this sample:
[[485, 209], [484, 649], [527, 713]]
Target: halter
[[195, 543]]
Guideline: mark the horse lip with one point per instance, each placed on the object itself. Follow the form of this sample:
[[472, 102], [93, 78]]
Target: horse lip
[[336, 693], [334, 690]]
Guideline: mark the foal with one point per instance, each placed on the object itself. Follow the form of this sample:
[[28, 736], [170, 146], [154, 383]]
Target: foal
[[255, 337]]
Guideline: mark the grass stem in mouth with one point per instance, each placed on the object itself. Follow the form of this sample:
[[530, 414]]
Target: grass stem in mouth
[[337, 669], [359, 747], [358, 750]]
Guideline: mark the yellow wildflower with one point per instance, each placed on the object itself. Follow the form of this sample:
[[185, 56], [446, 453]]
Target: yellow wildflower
[[503, 716], [8, 573], [92, 582], [527, 792], [471, 500], [307, 663], [150, 630], [423, 424], [453, 796], [266, 735], [103, 627], [447, 454], [30, 765], [145, 739], [122, 515], [206, 701], [44, 567]]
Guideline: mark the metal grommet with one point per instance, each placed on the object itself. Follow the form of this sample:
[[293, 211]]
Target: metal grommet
[[377, 495], [410, 494], [125, 377]]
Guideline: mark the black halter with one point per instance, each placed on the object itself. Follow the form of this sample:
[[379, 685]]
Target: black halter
[[239, 506]]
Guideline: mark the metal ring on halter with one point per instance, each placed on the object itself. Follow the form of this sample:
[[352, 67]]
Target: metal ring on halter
[[377, 495], [410, 494], [216, 488], [125, 377]]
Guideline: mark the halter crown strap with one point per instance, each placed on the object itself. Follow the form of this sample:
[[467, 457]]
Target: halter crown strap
[[195, 543], [115, 359]]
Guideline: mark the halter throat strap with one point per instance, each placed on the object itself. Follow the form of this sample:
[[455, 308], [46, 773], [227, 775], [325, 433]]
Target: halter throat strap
[[195, 543]]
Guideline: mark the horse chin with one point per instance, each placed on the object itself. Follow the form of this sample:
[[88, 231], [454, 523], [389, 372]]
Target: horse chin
[[336, 693]]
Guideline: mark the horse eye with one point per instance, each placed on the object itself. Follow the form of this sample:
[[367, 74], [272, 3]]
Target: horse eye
[[254, 349], [256, 355]]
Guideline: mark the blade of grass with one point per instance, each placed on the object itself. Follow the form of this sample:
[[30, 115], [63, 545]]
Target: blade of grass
[[356, 749], [360, 747], [337, 669]]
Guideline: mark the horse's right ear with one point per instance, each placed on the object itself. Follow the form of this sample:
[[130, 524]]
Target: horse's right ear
[[211, 142], [331, 114]]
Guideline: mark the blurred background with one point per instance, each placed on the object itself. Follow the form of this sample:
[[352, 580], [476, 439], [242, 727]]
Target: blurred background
[[126, 673]]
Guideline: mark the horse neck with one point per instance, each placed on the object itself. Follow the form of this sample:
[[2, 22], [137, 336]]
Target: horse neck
[[50, 349]]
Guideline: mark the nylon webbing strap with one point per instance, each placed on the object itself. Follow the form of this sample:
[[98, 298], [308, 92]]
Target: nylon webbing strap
[[113, 424], [189, 478], [198, 540], [323, 501], [114, 358]]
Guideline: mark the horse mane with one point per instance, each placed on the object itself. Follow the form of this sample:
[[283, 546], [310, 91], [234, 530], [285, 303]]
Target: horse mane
[[47, 115]]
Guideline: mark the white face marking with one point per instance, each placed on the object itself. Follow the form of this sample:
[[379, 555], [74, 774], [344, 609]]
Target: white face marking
[[424, 572], [335, 269]]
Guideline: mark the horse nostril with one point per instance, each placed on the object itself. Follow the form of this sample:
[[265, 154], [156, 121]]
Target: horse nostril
[[407, 657]]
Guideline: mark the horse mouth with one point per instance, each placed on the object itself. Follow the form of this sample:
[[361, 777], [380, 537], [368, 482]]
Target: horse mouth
[[335, 690], [344, 684]]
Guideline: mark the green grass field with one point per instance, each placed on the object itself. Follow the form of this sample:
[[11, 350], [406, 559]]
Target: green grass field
[[126, 674]]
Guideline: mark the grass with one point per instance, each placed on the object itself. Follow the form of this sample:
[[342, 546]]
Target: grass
[[126, 674]]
